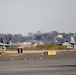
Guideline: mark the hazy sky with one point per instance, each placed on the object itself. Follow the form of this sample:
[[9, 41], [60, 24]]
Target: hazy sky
[[24, 16]]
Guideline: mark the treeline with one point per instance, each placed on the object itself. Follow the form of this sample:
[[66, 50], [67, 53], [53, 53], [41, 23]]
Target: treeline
[[39, 36]]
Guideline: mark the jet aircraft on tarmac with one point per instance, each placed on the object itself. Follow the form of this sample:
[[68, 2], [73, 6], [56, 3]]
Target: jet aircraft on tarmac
[[4, 45], [70, 44]]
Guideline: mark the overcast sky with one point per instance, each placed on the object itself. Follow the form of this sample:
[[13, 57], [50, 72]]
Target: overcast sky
[[24, 16]]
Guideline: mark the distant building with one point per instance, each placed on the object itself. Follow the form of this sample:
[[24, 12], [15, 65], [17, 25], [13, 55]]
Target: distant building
[[32, 43], [60, 36]]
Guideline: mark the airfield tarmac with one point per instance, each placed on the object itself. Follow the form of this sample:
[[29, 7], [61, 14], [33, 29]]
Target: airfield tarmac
[[38, 65]]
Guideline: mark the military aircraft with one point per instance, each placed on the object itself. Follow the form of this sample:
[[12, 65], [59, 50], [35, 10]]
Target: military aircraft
[[70, 44], [4, 45]]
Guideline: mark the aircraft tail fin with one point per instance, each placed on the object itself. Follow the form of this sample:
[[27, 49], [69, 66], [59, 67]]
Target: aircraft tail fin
[[72, 39], [2, 41]]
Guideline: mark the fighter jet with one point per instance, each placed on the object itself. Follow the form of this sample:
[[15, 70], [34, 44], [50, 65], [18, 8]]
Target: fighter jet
[[72, 42], [4, 45]]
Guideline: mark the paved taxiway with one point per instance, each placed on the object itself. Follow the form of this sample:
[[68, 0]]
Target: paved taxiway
[[50, 66]]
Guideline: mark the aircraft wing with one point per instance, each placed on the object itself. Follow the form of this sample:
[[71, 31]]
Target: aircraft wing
[[3, 44], [15, 45], [72, 42], [9, 45]]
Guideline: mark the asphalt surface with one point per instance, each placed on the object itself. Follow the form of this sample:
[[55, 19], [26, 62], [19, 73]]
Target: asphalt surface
[[39, 67], [37, 55], [38, 64]]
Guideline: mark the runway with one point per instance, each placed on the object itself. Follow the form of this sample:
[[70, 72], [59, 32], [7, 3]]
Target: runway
[[64, 63], [59, 66]]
